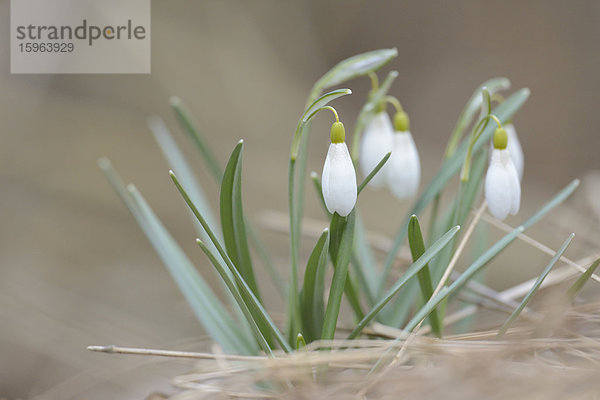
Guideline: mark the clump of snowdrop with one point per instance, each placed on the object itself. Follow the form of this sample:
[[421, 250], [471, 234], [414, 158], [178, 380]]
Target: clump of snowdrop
[[376, 143], [339, 178], [502, 185], [403, 172]]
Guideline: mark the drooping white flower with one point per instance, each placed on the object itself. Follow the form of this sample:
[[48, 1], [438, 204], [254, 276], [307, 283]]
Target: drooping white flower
[[403, 170], [502, 186], [339, 178], [376, 143], [514, 148]]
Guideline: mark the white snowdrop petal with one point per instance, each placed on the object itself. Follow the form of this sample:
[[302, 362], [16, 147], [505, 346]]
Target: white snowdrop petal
[[515, 187], [497, 191], [502, 186], [339, 180], [404, 170], [514, 148], [376, 143]]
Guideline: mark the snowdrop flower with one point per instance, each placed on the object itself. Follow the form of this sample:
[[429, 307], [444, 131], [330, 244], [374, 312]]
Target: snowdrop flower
[[502, 186], [514, 148], [403, 168], [339, 178], [376, 143]]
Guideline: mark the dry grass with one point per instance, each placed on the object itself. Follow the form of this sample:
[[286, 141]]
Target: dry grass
[[524, 365]]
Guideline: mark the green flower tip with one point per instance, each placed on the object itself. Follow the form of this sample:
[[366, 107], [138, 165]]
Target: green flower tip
[[500, 139], [338, 133], [401, 122]]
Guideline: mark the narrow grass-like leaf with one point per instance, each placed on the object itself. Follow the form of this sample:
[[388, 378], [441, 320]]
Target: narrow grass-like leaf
[[230, 283], [368, 110], [312, 300], [375, 170], [319, 192], [515, 314], [259, 314], [486, 257], [353, 67], [178, 163], [410, 273], [206, 305], [338, 282], [579, 283], [233, 220], [417, 248], [191, 128], [364, 261], [337, 229], [449, 168], [456, 215]]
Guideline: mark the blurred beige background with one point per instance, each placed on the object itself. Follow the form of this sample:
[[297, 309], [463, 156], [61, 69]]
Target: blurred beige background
[[74, 267]]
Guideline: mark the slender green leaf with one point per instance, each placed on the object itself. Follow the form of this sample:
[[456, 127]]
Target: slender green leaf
[[417, 248], [410, 273], [319, 191], [486, 257], [579, 283], [364, 262], [375, 170], [191, 128], [515, 314], [340, 274], [449, 168], [206, 305], [233, 220], [259, 314], [337, 228], [368, 111], [353, 67], [230, 283], [179, 164], [313, 289]]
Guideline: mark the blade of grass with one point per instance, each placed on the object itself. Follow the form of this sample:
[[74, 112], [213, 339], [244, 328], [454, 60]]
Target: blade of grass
[[515, 314], [206, 305], [259, 314], [230, 283], [178, 163], [375, 170], [353, 67], [417, 248], [338, 282], [233, 220], [312, 300], [449, 168], [191, 128], [484, 259], [337, 229], [410, 272], [579, 283]]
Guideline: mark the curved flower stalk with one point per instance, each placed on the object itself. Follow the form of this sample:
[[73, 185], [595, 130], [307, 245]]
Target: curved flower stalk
[[339, 178], [376, 143], [404, 168], [502, 186]]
